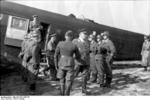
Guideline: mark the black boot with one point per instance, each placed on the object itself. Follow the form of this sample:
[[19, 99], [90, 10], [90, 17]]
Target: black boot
[[32, 87], [145, 68], [108, 82], [84, 82], [94, 78]]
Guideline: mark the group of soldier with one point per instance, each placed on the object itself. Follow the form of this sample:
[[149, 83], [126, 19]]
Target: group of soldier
[[91, 56]]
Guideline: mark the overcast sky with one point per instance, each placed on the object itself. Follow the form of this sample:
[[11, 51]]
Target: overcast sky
[[129, 15]]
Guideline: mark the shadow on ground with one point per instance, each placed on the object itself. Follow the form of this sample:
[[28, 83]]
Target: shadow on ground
[[126, 66], [120, 82]]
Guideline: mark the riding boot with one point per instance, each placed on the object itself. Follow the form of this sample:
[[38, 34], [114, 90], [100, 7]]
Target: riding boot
[[108, 82], [32, 87], [145, 68], [84, 82], [94, 78]]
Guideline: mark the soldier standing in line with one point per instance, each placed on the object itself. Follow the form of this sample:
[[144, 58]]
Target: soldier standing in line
[[100, 60], [51, 46], [84, 48], [93, 70], [66, 51], [108, 44], [146, 52]]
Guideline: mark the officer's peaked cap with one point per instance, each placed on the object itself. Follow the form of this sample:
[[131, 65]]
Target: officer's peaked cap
[[84, 30], [35, 16], [105, 33], [69, 33]]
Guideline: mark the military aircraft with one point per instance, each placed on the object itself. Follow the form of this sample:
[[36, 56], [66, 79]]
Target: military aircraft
[[128, 44]]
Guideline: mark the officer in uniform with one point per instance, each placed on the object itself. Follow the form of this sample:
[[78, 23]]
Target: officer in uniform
[[108, 44], [146, 52], [65, 64], [84, 48], [100, 60], [51, 46], [93, 70]]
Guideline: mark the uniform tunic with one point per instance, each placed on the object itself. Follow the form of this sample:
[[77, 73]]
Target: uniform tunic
[[93, 69], [65, 50], [35, 33], [145, 53], [84, 49], [109, 46], [92, 54]]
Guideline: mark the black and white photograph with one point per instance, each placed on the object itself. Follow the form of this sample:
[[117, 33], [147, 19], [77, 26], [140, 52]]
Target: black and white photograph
[[74, 48]]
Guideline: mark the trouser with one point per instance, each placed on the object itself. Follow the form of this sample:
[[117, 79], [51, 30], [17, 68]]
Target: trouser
[[66, 80], [24, 71], [84, 69], [51, 68], [93, 69], [53, 72], [31, 76], [101, 68], [146, 59], [108, 69]]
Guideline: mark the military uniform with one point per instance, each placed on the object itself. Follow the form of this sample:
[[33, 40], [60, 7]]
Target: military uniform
[[30, 54], [51, 46], [146, 54], [32, 58], [84, 49], [21, 56], [100, 60], [35, 31], [108, 44], [93, 69], [65, 50]]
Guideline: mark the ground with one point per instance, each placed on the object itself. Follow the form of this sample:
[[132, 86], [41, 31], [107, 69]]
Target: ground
[[128, 80]]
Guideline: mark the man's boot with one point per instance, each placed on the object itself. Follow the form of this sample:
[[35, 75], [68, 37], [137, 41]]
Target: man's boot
[[145, 68], [94, 78], [32, 87], [108, 82], [84, 82]]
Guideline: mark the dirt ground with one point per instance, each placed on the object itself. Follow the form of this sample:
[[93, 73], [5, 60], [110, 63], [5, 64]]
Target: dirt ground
[[128, 80]]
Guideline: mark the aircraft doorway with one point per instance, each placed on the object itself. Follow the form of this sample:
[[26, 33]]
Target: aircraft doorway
[[43, 33]]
